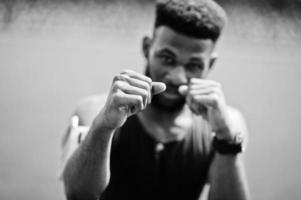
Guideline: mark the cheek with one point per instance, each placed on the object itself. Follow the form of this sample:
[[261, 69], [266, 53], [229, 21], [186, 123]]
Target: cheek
[[197, 74], [156, 70], [205, 72]]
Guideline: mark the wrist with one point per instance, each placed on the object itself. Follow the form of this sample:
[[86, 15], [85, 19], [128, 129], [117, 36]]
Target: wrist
[[226, 133], [224, 128], [228, 146], [101, 124], [99, 132]]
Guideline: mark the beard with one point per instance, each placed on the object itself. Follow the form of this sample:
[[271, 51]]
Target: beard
[[161, 103]]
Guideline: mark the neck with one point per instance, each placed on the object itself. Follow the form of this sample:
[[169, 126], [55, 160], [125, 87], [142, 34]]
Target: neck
[[166, 126], [163, 113]]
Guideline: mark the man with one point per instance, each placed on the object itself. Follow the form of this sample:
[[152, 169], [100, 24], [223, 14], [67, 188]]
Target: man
[[167, 133]]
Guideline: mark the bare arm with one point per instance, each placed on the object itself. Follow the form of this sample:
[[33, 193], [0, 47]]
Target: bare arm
[[227, 176], [228, 179], [86, 173], [87, 170]]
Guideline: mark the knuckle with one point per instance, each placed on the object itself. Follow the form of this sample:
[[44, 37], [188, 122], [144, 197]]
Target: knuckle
[[218, 84], [118, 84], [139, 100], [216, 90], [148, 87], [144, 93], [117, 95], [214, 99], [124, 76], [117, 78], [149, 80], [126, 71]]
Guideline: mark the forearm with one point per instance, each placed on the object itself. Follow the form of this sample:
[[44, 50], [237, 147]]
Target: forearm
[[87, 171], [228, 178]]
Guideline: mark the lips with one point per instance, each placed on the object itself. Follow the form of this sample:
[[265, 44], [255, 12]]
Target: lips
[[172, 92]]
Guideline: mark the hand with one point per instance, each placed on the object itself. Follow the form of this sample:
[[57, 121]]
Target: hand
[[130, 93], [205, 97]]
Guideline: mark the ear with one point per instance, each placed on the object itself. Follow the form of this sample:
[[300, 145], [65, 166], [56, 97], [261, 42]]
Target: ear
[[146, 43], [213, 59]]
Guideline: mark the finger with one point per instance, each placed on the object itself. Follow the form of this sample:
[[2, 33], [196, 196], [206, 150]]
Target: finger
[[138, 83], [196, 82], [183, 90], [158, 87], [207, 100], [129, 89], [198, 109], [197, 106], [130, 102], [137, 75], [203, 91]]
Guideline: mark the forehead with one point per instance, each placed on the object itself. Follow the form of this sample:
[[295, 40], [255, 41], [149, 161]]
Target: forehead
[[165, 37]]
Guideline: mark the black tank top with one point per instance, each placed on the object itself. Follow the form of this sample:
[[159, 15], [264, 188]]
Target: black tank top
[[142, 168]]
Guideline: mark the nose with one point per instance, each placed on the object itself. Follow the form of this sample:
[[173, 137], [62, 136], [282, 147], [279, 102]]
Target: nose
[[177, 76]]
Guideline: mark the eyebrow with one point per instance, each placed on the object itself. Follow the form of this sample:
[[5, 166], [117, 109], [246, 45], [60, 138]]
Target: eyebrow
[[197, 60], [166, 50], [169, 51]]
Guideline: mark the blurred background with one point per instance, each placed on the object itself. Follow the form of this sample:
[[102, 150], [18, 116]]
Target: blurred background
[[54, 52]]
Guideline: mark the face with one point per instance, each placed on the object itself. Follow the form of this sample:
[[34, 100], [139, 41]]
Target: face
[[174, 59]]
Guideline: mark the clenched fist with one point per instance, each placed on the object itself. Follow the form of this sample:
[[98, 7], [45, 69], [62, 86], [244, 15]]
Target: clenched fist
[[130, 93], [205, 97]]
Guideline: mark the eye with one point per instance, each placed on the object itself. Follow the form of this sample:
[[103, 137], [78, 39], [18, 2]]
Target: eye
[[166, 59], [194, 67]]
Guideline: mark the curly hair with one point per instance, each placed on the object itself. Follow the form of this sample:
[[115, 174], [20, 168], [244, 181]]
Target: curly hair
[[203, 19]]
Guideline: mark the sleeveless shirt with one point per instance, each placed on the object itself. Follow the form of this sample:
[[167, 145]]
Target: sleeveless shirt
[[142, 168]]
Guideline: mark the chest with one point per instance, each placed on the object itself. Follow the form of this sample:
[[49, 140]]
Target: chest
[[139, 163], [169, 129]]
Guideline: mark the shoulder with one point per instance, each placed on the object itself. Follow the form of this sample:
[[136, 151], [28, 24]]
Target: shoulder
[[88, 107], [84, 114]]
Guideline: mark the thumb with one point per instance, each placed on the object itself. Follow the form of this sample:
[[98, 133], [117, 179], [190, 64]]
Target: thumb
[[158, 87], [183, 89]]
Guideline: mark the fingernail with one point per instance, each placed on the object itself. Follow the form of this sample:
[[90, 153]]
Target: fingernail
[[183, 89], [193, 80]]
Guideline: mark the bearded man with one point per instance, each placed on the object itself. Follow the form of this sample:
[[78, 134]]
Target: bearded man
[[167, 133]]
